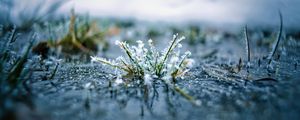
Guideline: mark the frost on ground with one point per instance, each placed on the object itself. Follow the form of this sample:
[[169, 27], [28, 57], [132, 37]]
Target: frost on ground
[[93, 91]]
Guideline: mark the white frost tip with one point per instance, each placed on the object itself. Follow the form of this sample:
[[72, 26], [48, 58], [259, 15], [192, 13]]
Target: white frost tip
[[117, 42], [188, 53], [182, 38], [93, 59], [174, 36], [179, 45], [139, 42]]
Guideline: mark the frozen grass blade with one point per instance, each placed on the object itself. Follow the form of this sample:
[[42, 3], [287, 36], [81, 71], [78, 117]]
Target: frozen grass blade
[[175, 41], [13, 35], [54, 71], [16, 71], [187, 96], [104, 61], [275, 46], [169, 49], [247, 46]]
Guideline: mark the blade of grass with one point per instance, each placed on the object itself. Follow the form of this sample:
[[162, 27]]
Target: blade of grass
[[14, 75], [275, 46], [161, 65], [247, 46], [108, 63]]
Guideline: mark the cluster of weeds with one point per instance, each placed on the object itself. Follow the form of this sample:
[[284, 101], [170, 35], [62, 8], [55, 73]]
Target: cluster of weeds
[[82, 39], [24, 17], [14, 74], [143, 62], [148, 66]]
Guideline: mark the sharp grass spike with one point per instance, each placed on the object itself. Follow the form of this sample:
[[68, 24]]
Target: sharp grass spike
[[247, 46], [275, 46]]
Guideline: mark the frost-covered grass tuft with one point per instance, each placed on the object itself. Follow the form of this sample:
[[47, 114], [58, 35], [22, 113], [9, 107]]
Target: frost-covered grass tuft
[[147, 63]]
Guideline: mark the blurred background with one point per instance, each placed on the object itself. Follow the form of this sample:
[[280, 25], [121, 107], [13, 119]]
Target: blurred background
[[217, 13]]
